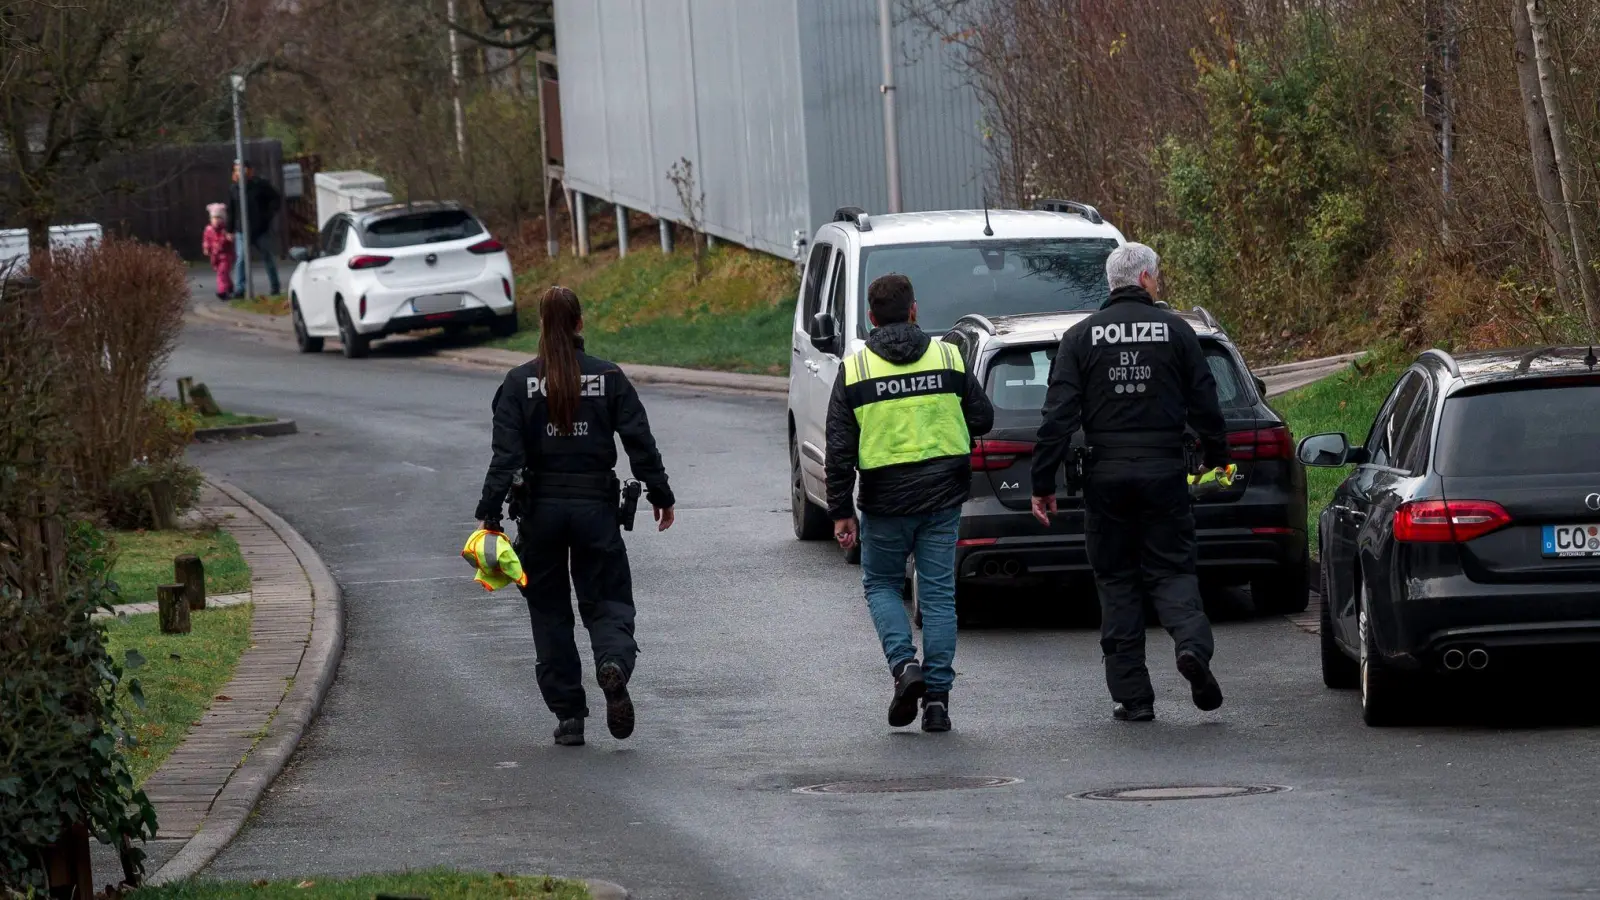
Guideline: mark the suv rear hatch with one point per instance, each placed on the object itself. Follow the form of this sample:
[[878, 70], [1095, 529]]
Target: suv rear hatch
[[436, 246], [1528, 448], [1017, 379]]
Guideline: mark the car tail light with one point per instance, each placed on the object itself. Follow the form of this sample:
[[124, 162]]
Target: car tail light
[[977, 542], [487, 246], [368, 261], [363, 306], [505, 285], [1263, 443], [991, 456], [1448, 521]]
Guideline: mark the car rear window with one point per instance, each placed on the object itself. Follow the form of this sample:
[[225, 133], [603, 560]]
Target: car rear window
[[1019, 378], [1539, 431], [429, 227]]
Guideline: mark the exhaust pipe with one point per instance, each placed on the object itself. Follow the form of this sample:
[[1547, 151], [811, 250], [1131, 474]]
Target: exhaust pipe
[[1478, 659], [1454, 659], [991, 568], [1011, 568]]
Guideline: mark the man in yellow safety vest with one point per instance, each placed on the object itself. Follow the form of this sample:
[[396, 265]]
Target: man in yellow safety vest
[[904, 412]]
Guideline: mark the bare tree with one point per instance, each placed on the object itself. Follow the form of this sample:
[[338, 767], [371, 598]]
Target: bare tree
[[1542, 152], [693, 202], [513, 24], [1567, 168]]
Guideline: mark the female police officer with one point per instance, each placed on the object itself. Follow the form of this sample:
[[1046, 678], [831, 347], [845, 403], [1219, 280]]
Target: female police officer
[[554, 421]]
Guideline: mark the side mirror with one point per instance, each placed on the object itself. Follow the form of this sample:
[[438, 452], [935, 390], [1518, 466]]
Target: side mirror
[[825, 334], [300, 254], [1327, 451], [1261, 386]]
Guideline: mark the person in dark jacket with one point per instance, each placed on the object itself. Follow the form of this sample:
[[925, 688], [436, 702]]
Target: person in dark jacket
[[262, 204], [904, 411], [556, 421], [1133, 376]]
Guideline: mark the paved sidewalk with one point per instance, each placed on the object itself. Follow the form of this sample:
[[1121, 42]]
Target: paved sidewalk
[[206, 789]]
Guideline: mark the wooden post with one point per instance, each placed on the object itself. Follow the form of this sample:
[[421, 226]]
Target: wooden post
[[174, 609], [67, 865], [183, 389], [204, 404], [163, 506], [191, 572]]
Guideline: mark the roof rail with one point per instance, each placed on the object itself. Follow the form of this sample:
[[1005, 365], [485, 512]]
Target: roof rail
[[981, 321], [1206, 317], [1070, 207], [853, 214], [1445, 358]]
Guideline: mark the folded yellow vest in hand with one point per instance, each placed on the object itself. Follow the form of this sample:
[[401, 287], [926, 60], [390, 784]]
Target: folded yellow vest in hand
[[1213, 480], [496, 563]]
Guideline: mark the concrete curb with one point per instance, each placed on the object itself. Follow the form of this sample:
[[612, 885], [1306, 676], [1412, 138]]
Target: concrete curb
[[493, 358], [294, 714], [605, 890], [255, 429]]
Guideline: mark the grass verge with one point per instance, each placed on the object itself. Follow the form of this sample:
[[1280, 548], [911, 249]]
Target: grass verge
[[144, 560], [266, 305], [435, 884], [647, 308], [228, 418], [1344, 402], [180, 678]]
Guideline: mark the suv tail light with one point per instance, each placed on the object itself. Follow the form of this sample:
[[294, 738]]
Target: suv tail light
[[367, 261], [1448, 521], [1264, 443], [487, 246], [991, 456], [505, 285]]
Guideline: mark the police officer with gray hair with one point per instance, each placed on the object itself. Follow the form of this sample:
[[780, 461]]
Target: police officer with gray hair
[[1133, 377]]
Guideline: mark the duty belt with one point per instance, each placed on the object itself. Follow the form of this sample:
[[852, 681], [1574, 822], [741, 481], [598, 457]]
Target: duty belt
[[1135, 445], [573, 486]]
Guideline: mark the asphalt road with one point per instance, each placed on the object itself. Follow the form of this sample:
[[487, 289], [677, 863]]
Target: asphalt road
[[760, 673]]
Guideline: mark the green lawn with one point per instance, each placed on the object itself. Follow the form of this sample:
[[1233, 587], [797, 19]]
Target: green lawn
[[181, 675], [646, 308], [228, 418], [435, 884], [1345, 402], [144, 560], [268, 305]]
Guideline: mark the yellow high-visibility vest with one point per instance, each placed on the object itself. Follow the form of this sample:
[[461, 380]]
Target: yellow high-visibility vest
[[496, 563], [908, 413]]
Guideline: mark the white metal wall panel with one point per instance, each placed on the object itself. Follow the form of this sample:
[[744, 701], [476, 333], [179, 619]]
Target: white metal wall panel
[[627, 102], [671, 86], [583, 96]]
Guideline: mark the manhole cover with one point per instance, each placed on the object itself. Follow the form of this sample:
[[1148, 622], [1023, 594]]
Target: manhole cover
[[908, 785], [1182, 792]]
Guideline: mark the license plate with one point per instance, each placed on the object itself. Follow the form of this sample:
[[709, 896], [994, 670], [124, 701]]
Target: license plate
[[1571, 540], [435, 303]]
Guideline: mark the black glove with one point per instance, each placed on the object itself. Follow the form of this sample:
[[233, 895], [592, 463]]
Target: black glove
[[493, 525]]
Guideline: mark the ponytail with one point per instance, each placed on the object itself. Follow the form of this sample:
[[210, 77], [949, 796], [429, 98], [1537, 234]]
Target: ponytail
[[559, 315]]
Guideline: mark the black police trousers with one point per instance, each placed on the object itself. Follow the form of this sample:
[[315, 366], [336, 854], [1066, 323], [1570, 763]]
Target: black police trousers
[[586, 533], [1140, 531]]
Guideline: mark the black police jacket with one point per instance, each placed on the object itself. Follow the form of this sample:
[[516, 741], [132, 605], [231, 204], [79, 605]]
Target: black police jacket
[[1132, 376], [911, 489], [524, 437]]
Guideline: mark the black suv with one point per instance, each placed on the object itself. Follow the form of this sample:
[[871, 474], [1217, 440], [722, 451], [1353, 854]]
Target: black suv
[[1468, 534], [1253, 532]]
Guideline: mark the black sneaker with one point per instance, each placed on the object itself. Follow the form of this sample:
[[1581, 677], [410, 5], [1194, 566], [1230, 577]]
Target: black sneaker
[[1202, 684], [1139, 712], [619, 706], [570, 733], [936, 712], [908, 689]]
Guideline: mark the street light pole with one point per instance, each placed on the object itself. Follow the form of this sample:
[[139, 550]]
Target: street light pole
[[244, 205], [891, 130]]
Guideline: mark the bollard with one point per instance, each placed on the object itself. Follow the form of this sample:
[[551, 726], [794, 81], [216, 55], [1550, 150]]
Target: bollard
[[666, 236], [622, 231], [188, 570], [174, 609]]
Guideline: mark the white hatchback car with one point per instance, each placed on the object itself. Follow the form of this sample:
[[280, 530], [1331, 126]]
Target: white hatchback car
[[399, 268]]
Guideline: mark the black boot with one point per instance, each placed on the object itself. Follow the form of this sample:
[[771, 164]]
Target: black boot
[[908, 689], [936, 712], [1203, 685], [1138, 712], [570, 733], [619, 706]]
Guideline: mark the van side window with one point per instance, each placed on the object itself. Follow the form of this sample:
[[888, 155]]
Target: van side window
[[811, 291], [836, 292]]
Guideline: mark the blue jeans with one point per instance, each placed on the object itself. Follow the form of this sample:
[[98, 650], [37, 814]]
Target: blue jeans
[[260, 252], [886, 541]]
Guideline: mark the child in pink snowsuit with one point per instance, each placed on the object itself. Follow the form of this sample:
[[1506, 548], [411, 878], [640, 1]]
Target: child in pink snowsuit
[[218, 247]]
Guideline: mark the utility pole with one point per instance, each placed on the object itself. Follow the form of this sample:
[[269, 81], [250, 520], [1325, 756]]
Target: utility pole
[[891, 130], [455, 81], [241, 188]]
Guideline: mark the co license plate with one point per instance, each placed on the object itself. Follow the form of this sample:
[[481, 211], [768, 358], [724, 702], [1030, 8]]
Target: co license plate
[[1571, 540], [436, 303]]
